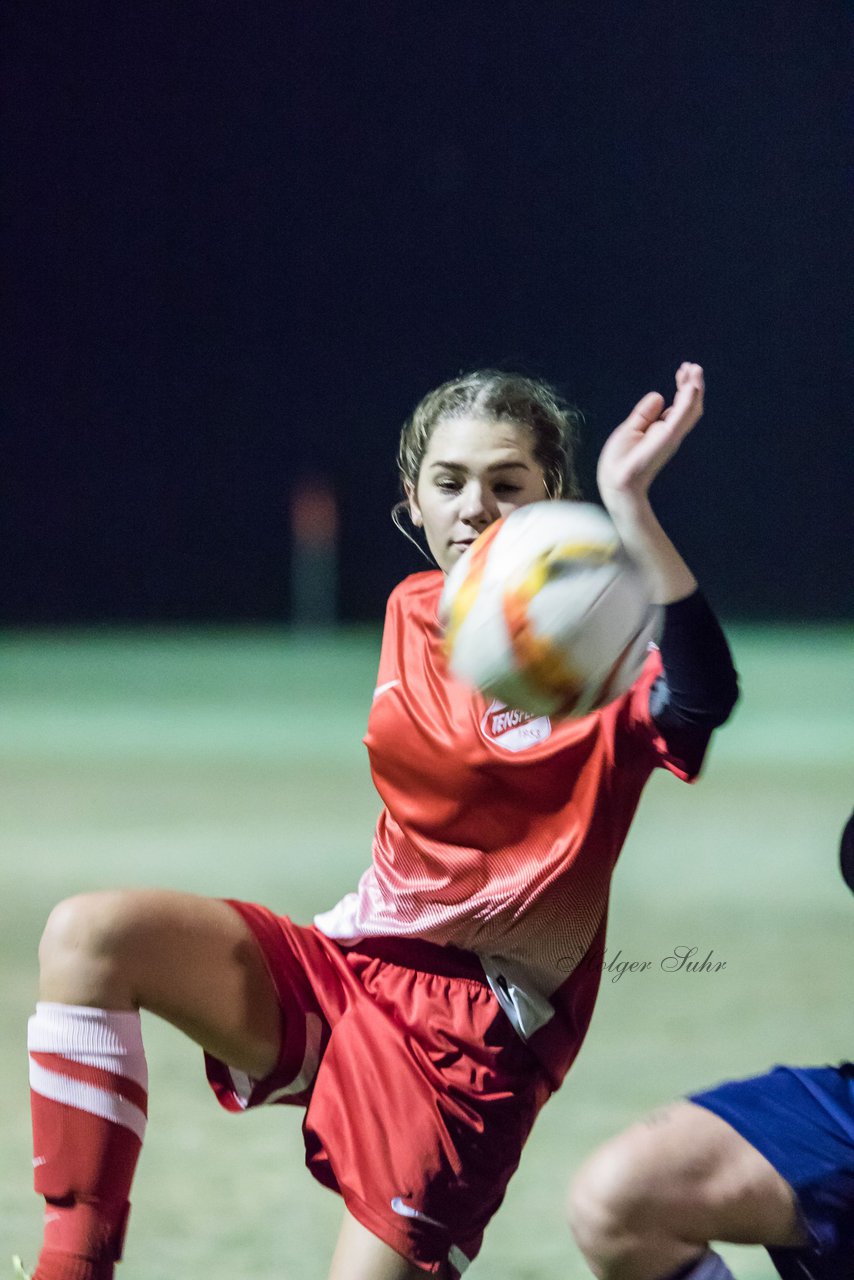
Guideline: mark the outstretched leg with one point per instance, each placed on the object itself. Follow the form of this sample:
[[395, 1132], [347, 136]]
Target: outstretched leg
[[105, 956], [647, 1203]]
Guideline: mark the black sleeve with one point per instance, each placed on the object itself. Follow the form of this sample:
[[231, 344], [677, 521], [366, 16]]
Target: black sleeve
[[699, 686]]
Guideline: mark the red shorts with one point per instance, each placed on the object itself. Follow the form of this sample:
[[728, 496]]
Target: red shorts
[[419, 1095]]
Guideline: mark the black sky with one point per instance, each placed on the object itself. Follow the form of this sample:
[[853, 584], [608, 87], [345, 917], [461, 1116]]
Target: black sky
[[243, 240]]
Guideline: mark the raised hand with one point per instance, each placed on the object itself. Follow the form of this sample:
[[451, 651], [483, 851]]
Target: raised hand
[[631, 458], [636, 451]]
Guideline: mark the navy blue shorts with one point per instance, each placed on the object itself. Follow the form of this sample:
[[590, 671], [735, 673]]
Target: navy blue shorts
[[801, 1119]]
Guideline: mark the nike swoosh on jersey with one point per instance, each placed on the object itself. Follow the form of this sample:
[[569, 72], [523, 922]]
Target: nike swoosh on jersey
[[383, 688], [407, 1211]]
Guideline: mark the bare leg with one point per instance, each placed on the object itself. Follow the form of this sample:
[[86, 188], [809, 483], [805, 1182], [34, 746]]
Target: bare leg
[[360, 1255], [192, 960], [104, 956], [649, 1202]]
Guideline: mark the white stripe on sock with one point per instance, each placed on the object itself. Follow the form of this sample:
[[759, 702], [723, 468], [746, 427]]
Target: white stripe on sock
[[105, 1038], [87, 1097]]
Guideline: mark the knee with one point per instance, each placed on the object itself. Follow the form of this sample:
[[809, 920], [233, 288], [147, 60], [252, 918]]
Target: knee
[[608, 1208], [84, 932]]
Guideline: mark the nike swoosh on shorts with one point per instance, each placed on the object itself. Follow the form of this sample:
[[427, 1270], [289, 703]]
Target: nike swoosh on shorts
[[408, 1211]]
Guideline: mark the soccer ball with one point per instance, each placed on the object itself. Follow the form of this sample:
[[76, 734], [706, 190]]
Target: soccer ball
[[546, 612]]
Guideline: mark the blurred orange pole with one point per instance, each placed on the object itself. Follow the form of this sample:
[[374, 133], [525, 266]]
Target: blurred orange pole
[[314, 555]]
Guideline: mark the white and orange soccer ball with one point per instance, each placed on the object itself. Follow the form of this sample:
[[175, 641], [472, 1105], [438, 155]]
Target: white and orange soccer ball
[[547, 612]]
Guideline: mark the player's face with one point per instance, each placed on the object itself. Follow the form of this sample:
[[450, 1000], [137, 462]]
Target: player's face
[[474, 471]]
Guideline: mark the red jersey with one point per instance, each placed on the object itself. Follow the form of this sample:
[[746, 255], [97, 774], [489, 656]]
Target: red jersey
[[500, 830]]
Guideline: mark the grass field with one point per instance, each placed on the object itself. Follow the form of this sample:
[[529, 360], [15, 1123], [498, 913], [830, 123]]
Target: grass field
[[230, 763]]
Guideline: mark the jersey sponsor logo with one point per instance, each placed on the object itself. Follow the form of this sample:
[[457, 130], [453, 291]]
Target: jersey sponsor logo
[[512, 729]]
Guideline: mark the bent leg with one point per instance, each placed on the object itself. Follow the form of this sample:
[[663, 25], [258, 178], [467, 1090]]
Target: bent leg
[[195, 962], [647, 1203], [192, 960], [360, 1255]]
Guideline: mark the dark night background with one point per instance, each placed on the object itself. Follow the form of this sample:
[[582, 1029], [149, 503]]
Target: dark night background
[[242, 240]]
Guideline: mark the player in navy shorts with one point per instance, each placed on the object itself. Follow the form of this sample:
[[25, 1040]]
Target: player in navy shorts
[[767, 1161]]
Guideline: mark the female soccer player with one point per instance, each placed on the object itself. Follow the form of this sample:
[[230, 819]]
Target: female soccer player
[[423, 1021], [766, 1161]]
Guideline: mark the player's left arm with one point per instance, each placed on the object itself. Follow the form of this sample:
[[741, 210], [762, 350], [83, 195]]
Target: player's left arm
[[630, 460], [700, 684]]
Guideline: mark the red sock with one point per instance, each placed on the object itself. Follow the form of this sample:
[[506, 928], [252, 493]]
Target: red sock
[[89, 1097]]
